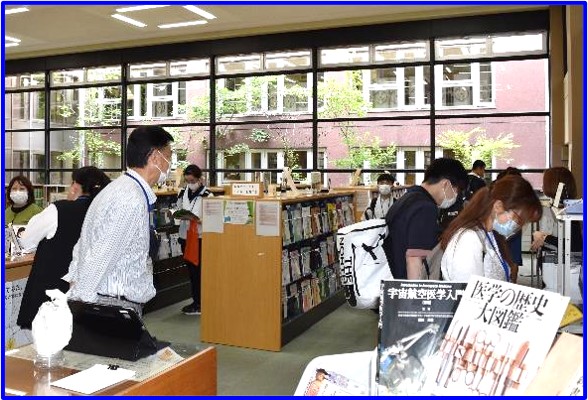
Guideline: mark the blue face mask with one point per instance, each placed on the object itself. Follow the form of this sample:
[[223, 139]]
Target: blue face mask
[[506, 229]]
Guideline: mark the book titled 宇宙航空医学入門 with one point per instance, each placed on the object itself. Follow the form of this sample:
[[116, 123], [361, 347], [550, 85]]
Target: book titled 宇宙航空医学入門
[[497, 340], [414, 316]]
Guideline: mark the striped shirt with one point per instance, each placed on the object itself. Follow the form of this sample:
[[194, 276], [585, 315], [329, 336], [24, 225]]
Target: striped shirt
[[111, 256]]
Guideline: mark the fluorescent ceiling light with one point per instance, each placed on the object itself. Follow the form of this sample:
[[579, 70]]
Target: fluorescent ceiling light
[[11, 44], [15, 10], [11, 39], [200, 12], [129, 20], [136, 8], [181, 24]]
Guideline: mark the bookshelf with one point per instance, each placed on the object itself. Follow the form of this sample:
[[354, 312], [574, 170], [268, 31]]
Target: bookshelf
[[362, 196], [262, 291]]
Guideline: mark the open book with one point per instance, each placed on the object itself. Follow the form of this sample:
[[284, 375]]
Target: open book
[[184, 214]]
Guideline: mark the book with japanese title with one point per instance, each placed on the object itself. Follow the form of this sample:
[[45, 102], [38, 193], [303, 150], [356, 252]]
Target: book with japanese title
[[414, 316], [497, 340]]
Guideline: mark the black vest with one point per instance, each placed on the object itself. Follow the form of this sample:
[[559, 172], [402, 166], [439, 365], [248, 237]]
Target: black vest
[[52, 259]]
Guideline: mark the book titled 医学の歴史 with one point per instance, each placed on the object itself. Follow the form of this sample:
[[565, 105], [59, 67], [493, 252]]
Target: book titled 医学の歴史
[[498, 339]]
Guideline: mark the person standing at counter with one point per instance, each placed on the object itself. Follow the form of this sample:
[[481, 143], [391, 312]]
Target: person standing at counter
[[54, 232], [20, 199], [190, 199], [111, 263]]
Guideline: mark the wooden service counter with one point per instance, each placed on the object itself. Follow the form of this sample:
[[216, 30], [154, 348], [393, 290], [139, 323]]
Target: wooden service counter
[[19, 268], [194, 376]]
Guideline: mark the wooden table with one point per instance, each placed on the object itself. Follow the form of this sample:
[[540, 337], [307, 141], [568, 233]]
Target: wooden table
[[194, 376]]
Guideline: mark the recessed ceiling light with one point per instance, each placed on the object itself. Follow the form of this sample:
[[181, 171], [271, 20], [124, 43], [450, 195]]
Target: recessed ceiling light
[[11, 39], [16, 10], [136, 8], [11, 44], [129, 20], [200, 12], [181, 24]]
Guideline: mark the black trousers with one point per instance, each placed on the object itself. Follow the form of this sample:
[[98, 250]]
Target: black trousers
[[195, 273]]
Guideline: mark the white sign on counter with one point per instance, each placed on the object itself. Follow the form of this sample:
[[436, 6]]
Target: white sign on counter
[[212, 216], [247, 189], [13, 335], [267, 221]]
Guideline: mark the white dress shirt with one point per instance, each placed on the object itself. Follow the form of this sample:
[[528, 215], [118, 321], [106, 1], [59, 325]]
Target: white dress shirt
[[112, 255], [463, 257], [41, 226]]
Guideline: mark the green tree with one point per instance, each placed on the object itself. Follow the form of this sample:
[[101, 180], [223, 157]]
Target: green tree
[[468, 146], [343, 98]]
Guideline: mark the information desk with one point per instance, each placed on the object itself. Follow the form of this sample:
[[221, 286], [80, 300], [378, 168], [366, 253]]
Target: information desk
[[195, 375]]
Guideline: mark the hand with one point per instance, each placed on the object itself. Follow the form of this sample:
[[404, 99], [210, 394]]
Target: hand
[[538, 240]]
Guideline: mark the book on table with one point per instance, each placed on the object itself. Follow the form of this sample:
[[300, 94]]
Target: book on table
[[414, 316], [498, 339]]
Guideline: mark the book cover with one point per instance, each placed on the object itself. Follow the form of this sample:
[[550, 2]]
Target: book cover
[[286, 278], [286, 228], [184, 214], [295, 265], [305, 254], [414, 316], [322, 382], [498, 339], [306, 223]]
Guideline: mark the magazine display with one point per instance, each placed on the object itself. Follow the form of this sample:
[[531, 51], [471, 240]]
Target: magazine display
[[329, 383], [498, 339], [414, 316]]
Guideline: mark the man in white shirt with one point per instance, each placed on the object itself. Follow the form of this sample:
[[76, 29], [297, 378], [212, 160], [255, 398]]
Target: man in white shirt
[[110, 262]]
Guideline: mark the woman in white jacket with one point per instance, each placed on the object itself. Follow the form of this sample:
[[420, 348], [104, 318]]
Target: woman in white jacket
[[475, 242], [190, 198]]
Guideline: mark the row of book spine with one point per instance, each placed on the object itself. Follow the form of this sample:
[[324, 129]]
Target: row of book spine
[[301, 259], [309, 219], [302, 295]]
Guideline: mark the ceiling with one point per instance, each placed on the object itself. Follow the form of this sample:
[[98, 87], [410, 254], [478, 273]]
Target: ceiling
[[62, 29]]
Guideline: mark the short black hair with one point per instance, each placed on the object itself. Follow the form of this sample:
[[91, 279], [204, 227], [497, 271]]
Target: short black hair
[[386, 177], [447, 168], [193, 170], [509, 171], [91, 179], [479, 164], [142, 141]]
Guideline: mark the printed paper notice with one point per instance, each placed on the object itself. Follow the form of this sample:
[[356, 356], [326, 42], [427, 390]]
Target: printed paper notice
[[212, 216], [239, 212], [267, 222]]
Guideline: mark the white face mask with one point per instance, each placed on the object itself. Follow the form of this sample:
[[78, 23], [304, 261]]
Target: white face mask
[[19, 197], [163, 175], [446, 203], [193, 186], [385, 190]]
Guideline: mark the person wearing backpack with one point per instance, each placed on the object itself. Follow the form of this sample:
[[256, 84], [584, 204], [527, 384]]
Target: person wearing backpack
[[413, 228], [379, 206], [475, 242]]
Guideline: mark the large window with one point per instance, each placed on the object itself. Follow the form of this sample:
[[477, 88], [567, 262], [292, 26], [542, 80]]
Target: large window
[[383, 104]]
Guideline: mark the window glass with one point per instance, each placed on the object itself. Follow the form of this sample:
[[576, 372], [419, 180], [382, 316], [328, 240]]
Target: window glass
[[150, 70], [24, 110], [491, 45], [92, 106], [401, 52], [24, 150], [344, 56], [287, 60], [238, 64], [190, 67], [36, 79], [73, 149], [67, 77], [104, 74]]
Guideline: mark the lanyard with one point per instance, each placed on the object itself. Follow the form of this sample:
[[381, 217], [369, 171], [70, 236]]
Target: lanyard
[[150, 207], [494, 245]]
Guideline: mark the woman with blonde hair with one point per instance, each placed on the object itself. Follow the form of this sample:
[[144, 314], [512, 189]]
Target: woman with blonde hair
[[475, 242]]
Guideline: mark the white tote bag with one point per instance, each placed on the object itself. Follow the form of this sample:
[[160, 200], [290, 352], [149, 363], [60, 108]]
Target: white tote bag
[[362, 261]]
